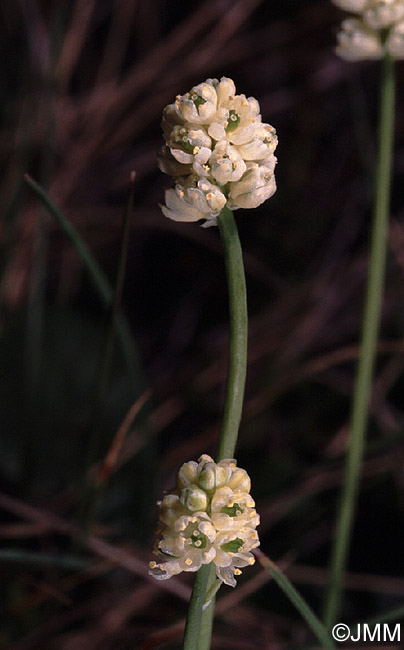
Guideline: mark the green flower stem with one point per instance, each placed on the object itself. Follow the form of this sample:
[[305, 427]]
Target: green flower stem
[[298, 601], [205, 633], [371, 320], [198, 628], [98, 278], [193, 624], [237, 369]]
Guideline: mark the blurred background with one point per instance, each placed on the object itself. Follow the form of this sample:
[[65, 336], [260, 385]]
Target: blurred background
[[83, 85]]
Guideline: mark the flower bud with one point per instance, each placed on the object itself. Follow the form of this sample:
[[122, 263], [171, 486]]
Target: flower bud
[[240, 481], [187, 474], [212, 476], [194, 498]]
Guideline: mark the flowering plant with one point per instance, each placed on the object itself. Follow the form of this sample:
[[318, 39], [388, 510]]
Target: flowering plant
[[378, 29], [219, 152], [209, 517]]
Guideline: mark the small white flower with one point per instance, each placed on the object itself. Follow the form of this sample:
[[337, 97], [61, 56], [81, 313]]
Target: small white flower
[[193, 200], [232, 510], [395, 41], [262, 144], [379, 14], [256, 186], [226, 165], [188, 143], [188, 546], [357, 42], [236, 120], [233, 552], [199, 105], [374, 32]]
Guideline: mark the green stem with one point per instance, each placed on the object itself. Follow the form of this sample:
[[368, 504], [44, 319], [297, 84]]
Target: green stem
[[198, 628], [237, 369], [298, 601], [194, 616], [205, 633], [371, 320]]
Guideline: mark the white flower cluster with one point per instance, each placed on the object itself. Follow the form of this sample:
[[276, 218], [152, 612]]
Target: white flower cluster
[[378, 29], [209, 517], [219, 151]]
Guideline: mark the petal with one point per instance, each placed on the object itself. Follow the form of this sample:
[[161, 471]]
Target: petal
[[226, 575], [221, 498], [182, 156], [180, 215], [217, 131], [225, 90]]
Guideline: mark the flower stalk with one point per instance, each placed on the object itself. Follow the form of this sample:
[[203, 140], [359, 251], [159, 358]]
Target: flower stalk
[[367, 354], [237, 369], [238, 324]]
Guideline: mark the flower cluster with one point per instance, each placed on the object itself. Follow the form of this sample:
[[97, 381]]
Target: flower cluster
[[209, 517], [378, 29], [219, 152]]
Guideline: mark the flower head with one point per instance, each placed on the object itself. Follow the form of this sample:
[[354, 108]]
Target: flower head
[[209, 517], [356, 41], [376, 30], [213, 134]]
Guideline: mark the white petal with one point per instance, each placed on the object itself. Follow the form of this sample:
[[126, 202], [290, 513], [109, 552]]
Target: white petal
[[182, 156], [217, 131]]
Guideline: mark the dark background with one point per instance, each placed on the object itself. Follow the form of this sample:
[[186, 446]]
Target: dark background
[[83, 86]]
